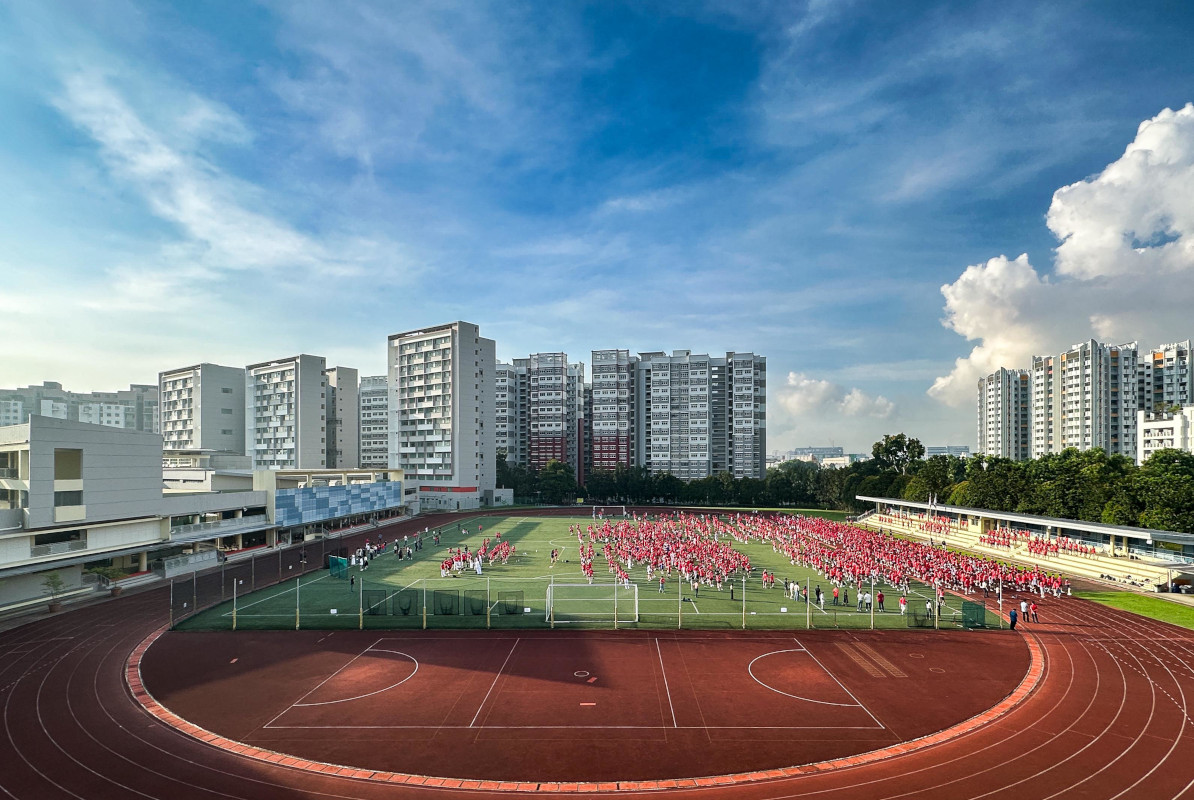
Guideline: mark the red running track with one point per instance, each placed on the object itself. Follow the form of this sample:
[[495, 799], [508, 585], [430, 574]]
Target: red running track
[[1110, 718]]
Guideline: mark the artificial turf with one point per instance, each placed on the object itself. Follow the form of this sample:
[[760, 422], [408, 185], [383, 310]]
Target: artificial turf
[[411, 593], [1145, 606]]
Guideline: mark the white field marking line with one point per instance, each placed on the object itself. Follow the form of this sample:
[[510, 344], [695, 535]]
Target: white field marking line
[[666, 688], [581, 727], [272, 597], [839, 683], [751, 673], [370, 694], [321, 683], [694, 608], [495, 680]]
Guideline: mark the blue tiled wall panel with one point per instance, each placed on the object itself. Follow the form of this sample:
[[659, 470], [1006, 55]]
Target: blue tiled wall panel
[[317, 504]]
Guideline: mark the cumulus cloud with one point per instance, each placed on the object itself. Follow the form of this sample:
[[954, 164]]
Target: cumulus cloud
[[1126, 251], [803, 396]]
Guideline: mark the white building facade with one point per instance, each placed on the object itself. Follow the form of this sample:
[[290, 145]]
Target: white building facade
[[203, 408], [1164, 430], [343, 418], [135, 408], [442, 421], [1004, 414], [286, 413], [375, 422]]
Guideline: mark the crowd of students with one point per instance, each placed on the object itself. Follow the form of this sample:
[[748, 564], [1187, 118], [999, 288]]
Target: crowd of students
[[699, 548]]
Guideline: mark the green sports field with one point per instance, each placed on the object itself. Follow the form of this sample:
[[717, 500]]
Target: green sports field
[[529, 592]]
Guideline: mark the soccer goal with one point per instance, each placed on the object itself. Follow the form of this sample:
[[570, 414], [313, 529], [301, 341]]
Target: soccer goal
[[592, 602], [605, 512]]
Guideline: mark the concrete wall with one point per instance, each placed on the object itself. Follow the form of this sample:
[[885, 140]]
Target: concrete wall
[[122, 470], [220, 407]]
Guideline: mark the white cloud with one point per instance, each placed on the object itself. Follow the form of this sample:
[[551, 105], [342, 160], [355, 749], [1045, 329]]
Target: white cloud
[[1127, 246], [803, 396], [1137, 216]]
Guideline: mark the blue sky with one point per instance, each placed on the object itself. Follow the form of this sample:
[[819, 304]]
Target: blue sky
[[844, 187]]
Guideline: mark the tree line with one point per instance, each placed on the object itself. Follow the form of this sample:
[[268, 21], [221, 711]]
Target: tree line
[[1088, 485]]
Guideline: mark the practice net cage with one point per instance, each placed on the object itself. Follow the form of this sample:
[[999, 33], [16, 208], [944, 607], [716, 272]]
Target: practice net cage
[[592, 602]]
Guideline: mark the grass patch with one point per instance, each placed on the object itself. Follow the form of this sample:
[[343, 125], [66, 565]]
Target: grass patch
[[1145, 606], [411, 594]]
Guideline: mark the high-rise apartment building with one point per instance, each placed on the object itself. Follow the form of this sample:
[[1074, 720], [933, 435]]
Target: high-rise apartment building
[[505, 412], [554, 409], [442, 427], [746, 422], [611, 425], [286, 413], [1005, 414], [343, 418], [696, 415], [1165, 378], [202, 407], [375, 422], [1171, 429], [135, 408], [1085, 397]]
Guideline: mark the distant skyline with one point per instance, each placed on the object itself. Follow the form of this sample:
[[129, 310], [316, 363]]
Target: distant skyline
[[886, 200]]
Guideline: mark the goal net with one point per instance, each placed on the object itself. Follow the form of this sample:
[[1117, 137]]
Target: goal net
[[592, 602], [608, 512]]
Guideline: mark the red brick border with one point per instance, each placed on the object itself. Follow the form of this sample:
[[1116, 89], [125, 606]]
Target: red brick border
[[1036, 669]]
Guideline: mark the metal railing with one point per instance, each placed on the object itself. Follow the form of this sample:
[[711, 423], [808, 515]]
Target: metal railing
[[234, 522], [57, 548]]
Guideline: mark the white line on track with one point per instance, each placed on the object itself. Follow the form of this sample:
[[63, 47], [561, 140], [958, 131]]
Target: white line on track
[[321, 683], [839, 683], [751, 672], [666, 688], [495, 680], [370, 694]]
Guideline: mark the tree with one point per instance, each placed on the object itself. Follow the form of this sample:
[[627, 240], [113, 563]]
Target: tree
[[897, 452], [54, 586], [557, 483]]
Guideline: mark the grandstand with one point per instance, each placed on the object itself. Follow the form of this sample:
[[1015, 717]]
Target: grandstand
[[1136, 557]]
